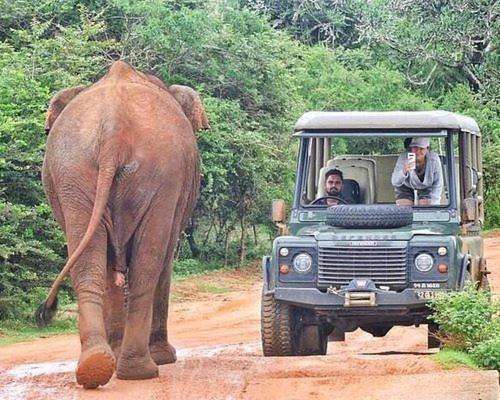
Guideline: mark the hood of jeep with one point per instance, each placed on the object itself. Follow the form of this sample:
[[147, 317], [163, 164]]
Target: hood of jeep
[[326, 232]]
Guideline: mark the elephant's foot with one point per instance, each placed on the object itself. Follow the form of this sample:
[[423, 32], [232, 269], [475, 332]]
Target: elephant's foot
[[163, 353], [95, 367], [136, 368]]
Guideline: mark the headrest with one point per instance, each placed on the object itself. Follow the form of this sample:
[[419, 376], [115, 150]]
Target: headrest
[[350, 191]]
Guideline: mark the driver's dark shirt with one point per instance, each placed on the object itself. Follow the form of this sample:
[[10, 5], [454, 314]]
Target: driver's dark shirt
[[324, 201]]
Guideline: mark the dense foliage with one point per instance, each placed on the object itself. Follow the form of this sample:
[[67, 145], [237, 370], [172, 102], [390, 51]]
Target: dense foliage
[[470, 321], [259, 65]]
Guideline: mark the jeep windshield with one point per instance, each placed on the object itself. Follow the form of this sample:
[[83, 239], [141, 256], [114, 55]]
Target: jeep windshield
[[375, 168]]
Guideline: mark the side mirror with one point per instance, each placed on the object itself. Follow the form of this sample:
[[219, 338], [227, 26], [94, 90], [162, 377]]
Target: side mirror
[[279, 211], [470, 209]]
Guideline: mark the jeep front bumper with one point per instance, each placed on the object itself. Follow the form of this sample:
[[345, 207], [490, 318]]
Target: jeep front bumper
[[406, 300]]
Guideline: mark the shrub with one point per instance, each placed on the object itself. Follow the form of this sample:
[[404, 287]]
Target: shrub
[[464, 317], [190, 266], [470, 321], [487, 353], [32, 252], [492, 185]]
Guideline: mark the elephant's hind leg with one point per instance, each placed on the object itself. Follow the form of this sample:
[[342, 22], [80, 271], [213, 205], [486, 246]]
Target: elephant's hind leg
[[97, 362], [114, 311], [148, 258], [161, 349]]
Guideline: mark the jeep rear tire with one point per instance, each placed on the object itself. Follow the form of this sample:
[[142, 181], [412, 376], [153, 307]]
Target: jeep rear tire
[[369, 216], [313, 341], [277, 327], [376, 330], [485, 284], [433, 341]]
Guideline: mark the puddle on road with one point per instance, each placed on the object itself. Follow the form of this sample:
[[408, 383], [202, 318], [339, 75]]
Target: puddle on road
[[27, 370], [14, 391], [18, 382], [219, 350], [58, 367], [20, 390]]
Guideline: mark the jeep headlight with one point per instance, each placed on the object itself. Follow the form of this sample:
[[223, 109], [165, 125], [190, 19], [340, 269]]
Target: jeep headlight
[[302, 263], [424, 262]]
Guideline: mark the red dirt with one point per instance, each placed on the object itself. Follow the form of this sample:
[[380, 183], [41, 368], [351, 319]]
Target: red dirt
[[217, 337]]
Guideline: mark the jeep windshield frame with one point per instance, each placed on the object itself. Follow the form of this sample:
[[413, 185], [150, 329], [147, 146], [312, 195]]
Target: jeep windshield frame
[[306, 136]]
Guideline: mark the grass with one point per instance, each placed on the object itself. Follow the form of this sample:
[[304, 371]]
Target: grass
[[22, 330], [452, 358], [190, 267], [208, 287]]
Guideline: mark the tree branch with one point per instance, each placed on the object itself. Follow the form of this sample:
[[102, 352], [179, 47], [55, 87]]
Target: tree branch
[[426, 81]]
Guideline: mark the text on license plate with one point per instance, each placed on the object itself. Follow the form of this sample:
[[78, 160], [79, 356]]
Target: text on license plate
[[428, 294]]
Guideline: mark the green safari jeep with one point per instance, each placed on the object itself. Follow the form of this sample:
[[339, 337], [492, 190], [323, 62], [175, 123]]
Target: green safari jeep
[[359, 258]]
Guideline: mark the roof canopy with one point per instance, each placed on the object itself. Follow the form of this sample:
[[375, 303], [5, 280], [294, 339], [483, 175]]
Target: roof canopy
[[320, 120]]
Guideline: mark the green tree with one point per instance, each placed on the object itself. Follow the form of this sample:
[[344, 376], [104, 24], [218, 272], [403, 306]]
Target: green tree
[[34, 63]]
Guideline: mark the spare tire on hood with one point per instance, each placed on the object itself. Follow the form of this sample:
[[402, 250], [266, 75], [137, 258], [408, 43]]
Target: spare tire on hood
[[369, 216]]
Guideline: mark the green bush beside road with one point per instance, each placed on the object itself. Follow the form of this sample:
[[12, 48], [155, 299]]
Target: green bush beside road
[[469, 321]]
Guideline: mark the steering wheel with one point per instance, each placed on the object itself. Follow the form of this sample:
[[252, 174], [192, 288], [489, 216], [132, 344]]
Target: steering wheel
[[340, 200]]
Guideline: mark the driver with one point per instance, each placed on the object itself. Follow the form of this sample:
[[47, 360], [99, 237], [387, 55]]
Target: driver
[[334, 181]]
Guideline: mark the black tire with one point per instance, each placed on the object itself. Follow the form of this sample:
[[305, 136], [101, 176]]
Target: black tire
[[336, 335], [313, 341], [433, 341], [485, 283], [277, 327], [283, 335], [369, 216], [467, 279], [376, 330]]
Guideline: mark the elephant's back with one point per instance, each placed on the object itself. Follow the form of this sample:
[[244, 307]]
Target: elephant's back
[[143, 117], [156, 128], [141, 127]]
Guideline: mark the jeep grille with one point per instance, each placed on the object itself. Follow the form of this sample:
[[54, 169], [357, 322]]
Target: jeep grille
[[384, 265]]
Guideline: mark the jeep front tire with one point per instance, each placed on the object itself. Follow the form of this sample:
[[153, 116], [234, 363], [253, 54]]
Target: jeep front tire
[[283, 333], [277, 327]]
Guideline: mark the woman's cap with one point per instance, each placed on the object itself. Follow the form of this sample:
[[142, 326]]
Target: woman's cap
[[422, 142]]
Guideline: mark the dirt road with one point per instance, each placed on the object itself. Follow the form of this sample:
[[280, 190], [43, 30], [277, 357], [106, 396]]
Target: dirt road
[[219, 357]]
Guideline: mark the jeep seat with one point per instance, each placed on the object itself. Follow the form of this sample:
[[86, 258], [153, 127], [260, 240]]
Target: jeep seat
[[350, 190], [358, 169]]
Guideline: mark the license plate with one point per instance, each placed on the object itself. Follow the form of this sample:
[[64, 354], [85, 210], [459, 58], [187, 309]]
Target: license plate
[[428, 294]]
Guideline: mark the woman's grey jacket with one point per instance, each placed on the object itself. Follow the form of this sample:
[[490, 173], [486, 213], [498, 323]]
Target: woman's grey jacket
[[433, 178]]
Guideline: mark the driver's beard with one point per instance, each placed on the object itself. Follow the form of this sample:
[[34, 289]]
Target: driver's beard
[[334, 192]]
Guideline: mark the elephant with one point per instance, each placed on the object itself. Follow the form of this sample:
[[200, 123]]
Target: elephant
[[121, 174]]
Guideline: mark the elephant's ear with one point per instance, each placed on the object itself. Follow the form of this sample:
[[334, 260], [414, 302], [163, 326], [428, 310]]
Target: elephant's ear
[[57, 104], [191, 103], [157, 81]]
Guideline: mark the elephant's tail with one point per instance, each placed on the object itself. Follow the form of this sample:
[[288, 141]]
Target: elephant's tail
[[46, 311]]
